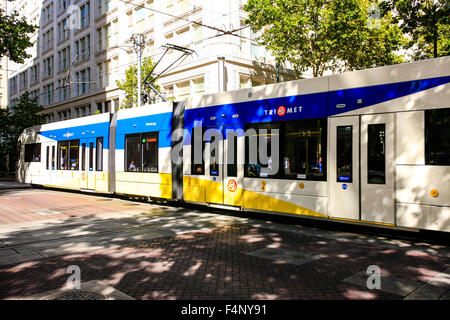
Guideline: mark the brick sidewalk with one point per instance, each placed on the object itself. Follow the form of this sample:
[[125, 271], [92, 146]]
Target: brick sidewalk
[[219, 263], [39, 205]]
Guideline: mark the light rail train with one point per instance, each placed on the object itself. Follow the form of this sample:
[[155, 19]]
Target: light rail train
[[367, 147]]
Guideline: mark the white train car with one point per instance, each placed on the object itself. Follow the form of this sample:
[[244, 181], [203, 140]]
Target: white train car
[[370, 146], [366, 147], [143, 145], [71, 154]]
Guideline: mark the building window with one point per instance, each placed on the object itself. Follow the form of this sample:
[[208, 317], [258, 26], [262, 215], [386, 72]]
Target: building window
[[34, 74], [83, 81], [64, 59], [141, 152], [63, 30], [48, 94], [33, 152], [437, 131], [83, 48], [85, 14], [48, 66]]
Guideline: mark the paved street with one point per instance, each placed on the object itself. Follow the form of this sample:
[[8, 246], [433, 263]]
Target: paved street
[[148, 251]]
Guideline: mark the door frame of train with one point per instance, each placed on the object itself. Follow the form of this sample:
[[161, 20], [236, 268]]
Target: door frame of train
[[344, 194], [355, 200], [88, 174], [233, 188], [378, 199], [214, 183], [51, 158]]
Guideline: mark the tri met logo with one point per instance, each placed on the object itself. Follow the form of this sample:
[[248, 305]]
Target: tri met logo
[[282, 110]]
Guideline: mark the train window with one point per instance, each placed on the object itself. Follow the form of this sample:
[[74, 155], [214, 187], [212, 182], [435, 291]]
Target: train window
[[344, 151], [47, 160], [53, 157], [91, 156], [141, 152], [63, 155], [99, 155], [149, 152], [376, 156], [74, 154], [303, 149], [197, 138], [68, 154], [213, 160], [133, 156], [232, 166], [83, 156], [266, 138], [437, 131], [33, 152]]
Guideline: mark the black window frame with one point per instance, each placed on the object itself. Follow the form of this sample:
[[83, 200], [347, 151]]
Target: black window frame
[[140, 150], [99, 154], [32, 151], [282, 127], [197, 169], [68, 155], [376, 158], [47, 159], [339, 159], [433, 131]]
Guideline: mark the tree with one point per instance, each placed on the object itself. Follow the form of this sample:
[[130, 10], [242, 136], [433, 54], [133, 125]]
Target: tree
[[325, 35], [129, 85], [427, 22], [15, 36], [14, 120]]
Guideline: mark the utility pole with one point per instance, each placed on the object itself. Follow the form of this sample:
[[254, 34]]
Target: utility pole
[[139, 44]]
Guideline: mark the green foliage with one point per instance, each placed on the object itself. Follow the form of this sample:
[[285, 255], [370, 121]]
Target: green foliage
[[15, 36], [129, 85], [325, 35], [427, 23], [15, 119]]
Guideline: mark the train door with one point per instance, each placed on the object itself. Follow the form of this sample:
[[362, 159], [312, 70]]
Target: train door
[[214, 165], [87, 164], [344, 167], [361, 168], [377, 168], [233, 166], [224, 168], [50, 163]]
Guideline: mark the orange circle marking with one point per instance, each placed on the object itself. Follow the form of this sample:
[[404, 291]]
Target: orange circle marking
[[232, 185], [281, 111], [83, 176], [434, 193]]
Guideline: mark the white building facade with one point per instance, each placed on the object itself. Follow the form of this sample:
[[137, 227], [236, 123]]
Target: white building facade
[[83, 46]]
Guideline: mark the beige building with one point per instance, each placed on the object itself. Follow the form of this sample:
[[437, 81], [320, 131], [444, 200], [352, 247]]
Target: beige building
[[84, 46]]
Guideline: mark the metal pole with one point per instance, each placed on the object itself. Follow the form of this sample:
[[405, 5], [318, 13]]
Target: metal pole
[[139, 43], [139, 54]]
